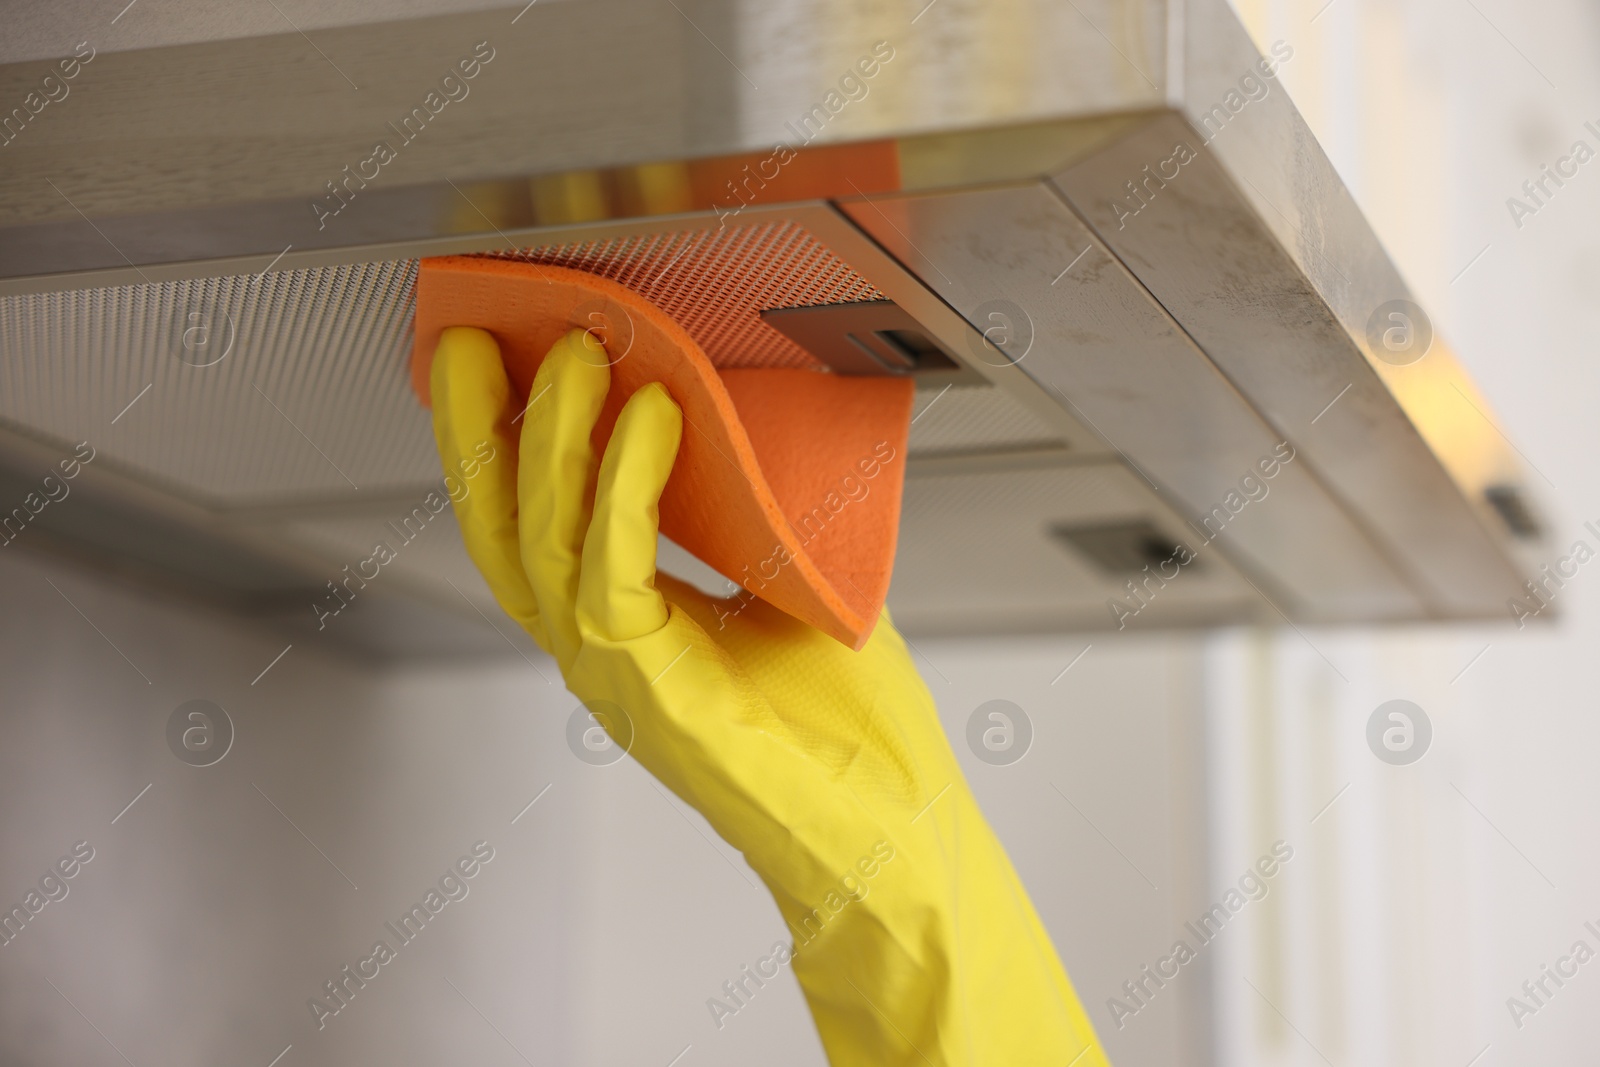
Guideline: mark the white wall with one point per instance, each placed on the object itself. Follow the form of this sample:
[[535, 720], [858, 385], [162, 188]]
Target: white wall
[[610, 913], [206, 920], [665, 912]]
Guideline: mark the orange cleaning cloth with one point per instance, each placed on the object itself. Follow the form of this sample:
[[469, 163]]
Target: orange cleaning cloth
[[787, 482]]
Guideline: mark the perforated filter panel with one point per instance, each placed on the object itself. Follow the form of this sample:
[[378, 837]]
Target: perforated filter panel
[[292, 387], [227, 391], [715, 283], [974, 418]]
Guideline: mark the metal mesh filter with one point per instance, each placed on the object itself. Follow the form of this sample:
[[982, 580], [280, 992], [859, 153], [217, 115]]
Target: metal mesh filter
[[715, 283], [240, 390], [291, 388], [969, 418]]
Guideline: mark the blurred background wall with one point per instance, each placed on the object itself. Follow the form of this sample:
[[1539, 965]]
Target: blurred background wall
[[1426, 894], [219, 899]]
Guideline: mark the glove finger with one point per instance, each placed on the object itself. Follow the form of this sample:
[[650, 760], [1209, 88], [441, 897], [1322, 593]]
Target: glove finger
[[555, 479], [472, 412], [617, 595]]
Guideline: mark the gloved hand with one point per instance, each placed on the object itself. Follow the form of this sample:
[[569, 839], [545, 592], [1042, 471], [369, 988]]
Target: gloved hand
[[914, 941]]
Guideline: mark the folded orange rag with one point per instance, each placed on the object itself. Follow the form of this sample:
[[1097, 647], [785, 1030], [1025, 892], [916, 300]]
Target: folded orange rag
[[787, 482]]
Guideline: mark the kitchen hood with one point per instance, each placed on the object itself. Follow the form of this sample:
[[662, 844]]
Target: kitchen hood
[[1166, 374]]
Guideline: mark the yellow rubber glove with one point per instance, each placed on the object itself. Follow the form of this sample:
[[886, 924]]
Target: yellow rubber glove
[[915, 943]]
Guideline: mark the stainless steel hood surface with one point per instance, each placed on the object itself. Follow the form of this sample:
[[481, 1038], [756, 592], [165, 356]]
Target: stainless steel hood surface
[[1120, 195]]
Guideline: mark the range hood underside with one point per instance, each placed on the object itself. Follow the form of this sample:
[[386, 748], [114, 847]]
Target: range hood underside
[[1153, 368]]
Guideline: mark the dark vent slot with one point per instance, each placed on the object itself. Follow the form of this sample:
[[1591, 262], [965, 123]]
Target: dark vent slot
[[1512, 505], [1122, 548]]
